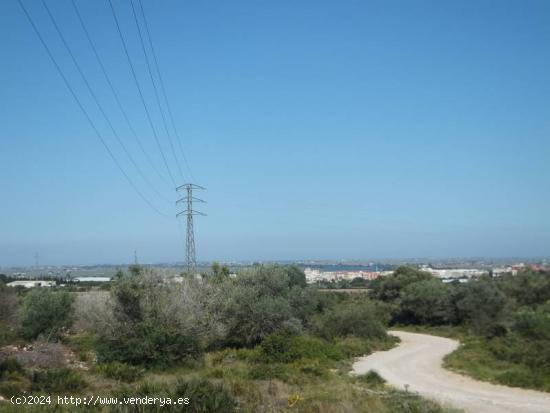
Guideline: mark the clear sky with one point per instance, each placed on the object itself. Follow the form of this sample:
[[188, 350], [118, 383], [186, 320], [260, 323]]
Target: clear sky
[[321, 129]]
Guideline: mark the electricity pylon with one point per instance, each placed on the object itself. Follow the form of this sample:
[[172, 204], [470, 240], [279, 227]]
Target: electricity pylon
[[189, 212]]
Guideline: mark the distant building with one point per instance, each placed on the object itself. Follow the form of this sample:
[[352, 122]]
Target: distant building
[[92, 279], [455, 272], [500, 271], [315, 275], [31, 283]]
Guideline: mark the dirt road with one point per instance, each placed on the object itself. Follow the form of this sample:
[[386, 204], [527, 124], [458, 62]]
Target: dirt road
[[417, 364]]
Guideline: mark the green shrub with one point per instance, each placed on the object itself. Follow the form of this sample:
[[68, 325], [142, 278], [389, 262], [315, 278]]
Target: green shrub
[[57, 381], [83, 356], [427, 302], [311, 367], [150, 343], [266, 299], [390, 288], [354, 346], [484, 307], [355, 318], [371, 378], [205, 396], [13, 380], [520, 378], [45, 312], [296, 276], [84, 342], [305, 303], [511, 360], [14, 384], [247, 354], [231, 355], [533, 324], [407, 402], [528, 288], [286, 348], [144, 329], [120, 371], [532, 354], [147, 389], [10, 365], [8, 334], [151, 388], [271, 371]]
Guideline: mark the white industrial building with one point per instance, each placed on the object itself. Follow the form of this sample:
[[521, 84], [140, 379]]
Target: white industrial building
[[31, 283]]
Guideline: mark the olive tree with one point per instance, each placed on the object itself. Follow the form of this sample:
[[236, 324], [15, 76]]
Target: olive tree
[[46, 312]]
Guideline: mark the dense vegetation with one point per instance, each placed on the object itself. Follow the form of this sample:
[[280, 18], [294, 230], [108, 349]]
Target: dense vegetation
[[503, 323], [356, 283], [262, 341]]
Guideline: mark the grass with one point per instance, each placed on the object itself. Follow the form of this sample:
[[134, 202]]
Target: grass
[[120, 371], [16, 380], [476, 357], [456, 332]]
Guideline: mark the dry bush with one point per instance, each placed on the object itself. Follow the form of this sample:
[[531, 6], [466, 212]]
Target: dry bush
[[93, 312], [9, 305], [188, 305], [193, 306], [157, 321]]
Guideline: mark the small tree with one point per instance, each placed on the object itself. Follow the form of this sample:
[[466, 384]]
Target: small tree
[[153, 322], [527, 288], [4, 278], [427, 302], [533, 324], [390, 288], [46, 312], [250, 318], [220, 272], [355, 318], [484, 307], [135, 269], [296, 276], [257, 305]]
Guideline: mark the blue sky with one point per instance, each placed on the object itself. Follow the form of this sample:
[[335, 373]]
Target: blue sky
[[322, 129]]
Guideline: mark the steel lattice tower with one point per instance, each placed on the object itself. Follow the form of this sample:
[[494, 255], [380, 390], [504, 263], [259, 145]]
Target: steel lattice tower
[[189, 212]]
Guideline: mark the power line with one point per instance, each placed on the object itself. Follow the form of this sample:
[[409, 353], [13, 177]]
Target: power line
[[96, 100], [79, 103], [163, 89], [189, 198], [141, 93], [115, 94], [163, 116]]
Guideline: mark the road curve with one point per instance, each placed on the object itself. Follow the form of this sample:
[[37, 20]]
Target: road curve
[[416, 363]]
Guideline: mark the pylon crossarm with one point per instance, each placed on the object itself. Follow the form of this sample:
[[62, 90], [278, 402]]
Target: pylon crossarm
[[202, 214], [192, 198], [193, 186]]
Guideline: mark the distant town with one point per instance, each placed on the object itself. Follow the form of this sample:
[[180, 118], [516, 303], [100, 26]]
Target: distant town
[[320, 272], [449, 274]]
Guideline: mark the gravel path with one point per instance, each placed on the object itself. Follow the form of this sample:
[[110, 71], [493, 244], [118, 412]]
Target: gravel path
[[417, 364]]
